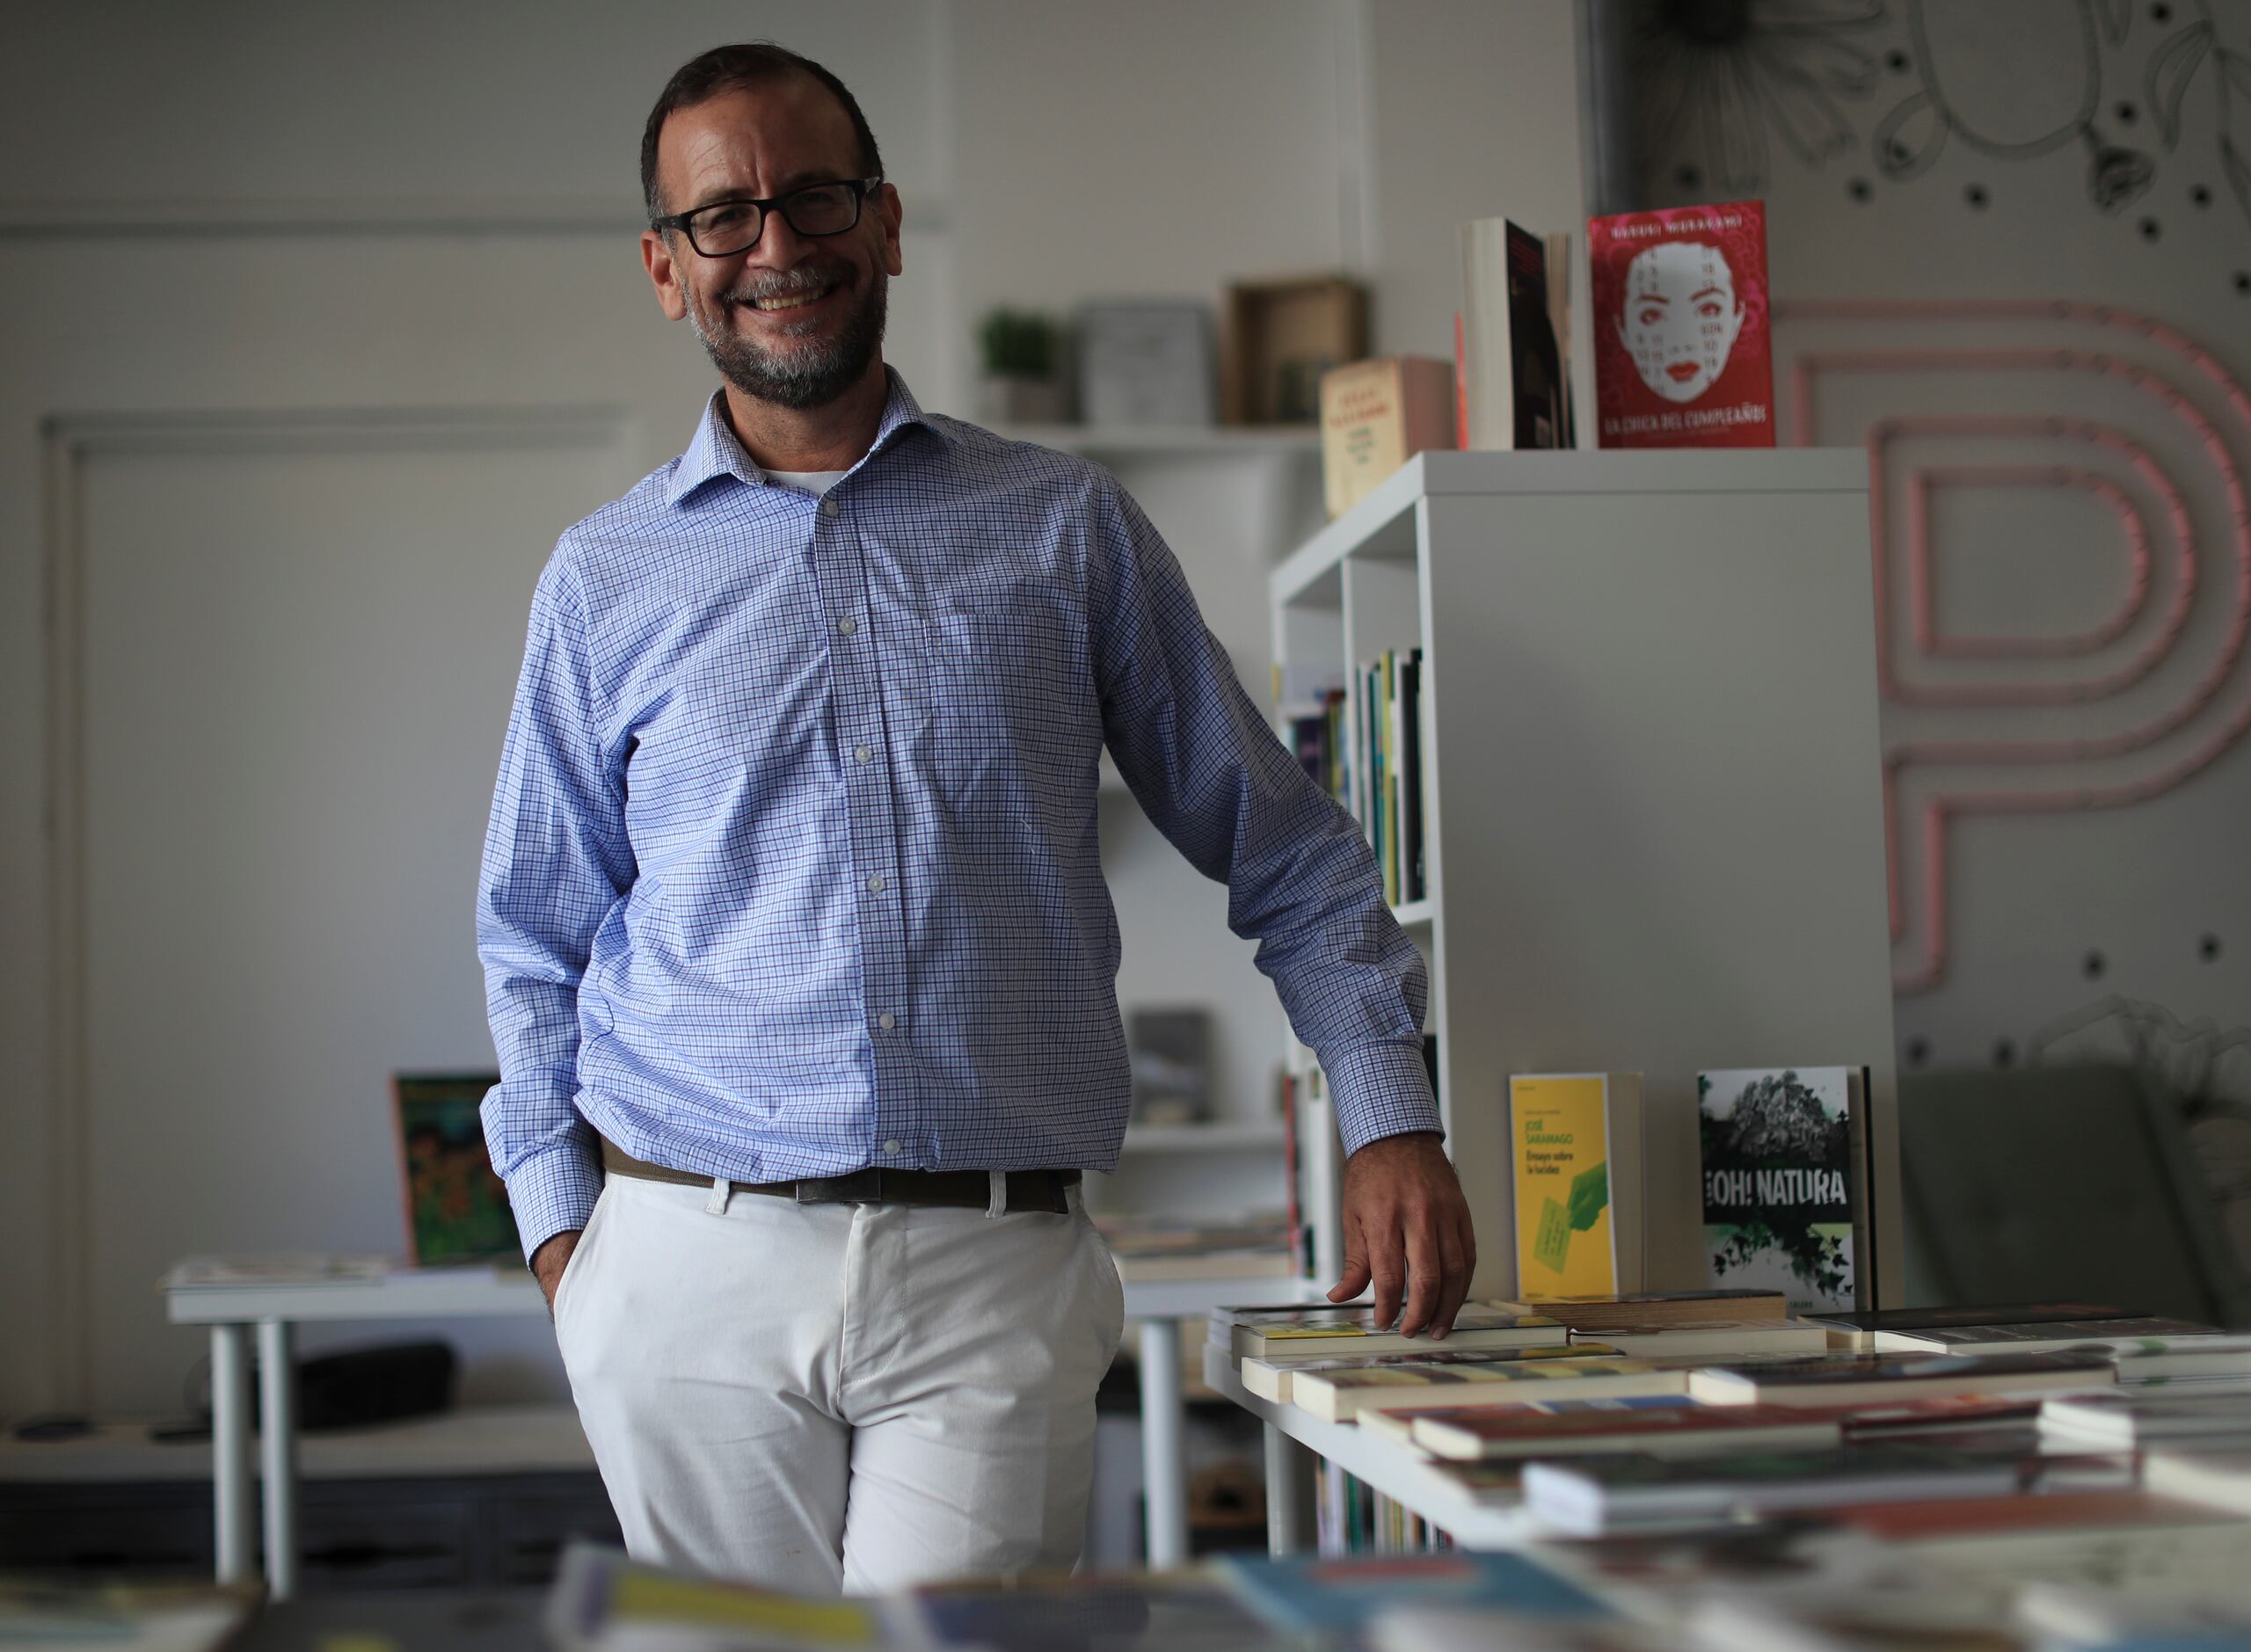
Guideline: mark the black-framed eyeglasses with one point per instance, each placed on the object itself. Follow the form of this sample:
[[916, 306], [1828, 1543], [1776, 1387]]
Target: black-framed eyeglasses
[[727, 226]]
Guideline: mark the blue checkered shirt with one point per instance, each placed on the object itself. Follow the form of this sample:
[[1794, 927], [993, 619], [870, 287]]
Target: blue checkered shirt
[[793, 865]]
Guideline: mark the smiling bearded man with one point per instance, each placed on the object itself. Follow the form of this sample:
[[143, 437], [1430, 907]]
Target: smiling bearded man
[[799, 956]]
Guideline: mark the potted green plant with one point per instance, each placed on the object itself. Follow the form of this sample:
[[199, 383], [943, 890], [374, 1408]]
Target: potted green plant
[[1021, 356]]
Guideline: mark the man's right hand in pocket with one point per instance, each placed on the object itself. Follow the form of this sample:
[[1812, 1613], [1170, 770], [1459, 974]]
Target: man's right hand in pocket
[[548, 1260]]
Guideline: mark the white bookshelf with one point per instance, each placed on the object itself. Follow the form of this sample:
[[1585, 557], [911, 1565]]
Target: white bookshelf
[[1653, 828]]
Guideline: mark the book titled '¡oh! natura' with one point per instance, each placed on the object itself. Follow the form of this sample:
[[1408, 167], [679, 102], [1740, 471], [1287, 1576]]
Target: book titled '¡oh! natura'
[[1785, 1200]]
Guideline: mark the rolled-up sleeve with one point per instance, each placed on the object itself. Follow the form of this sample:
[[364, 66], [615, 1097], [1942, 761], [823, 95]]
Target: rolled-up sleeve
[[555, 864], [1301, 879]]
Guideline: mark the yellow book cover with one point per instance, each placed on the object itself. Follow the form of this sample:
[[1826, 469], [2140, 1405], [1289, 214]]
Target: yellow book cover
[[1559, 1139]]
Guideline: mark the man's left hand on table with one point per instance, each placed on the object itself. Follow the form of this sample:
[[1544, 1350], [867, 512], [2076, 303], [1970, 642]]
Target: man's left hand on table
[[1407, 1230]]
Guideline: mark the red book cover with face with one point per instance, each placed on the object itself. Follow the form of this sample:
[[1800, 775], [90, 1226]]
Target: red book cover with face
[[1683, 342]]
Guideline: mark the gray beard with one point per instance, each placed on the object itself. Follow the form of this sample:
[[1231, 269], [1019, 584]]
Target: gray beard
[[804, 378]]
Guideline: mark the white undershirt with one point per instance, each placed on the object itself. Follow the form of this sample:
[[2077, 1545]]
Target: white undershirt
[[814, 482]]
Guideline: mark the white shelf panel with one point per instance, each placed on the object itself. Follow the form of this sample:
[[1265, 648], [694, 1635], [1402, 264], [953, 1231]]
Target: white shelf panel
[[1382, 525], [1413, 913], [1231, 1136]]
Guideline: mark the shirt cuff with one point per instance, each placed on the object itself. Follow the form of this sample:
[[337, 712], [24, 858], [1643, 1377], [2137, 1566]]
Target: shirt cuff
[[553, 1192], [1380, 1089]]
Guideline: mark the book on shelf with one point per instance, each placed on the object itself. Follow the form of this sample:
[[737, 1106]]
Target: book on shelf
[[1878, 1378], [1474, 1433], [1345, 1396], [1591, 1495], [1391, 802], [1598, 1312], [2149, 1338], [1274, 1377], [1375, 416], [1351, 1329], [1513, 388], [1683, 348], [1785, 1155], [1720, 1339], [1856, 1329], [2127, 1420], [1574, 1144]]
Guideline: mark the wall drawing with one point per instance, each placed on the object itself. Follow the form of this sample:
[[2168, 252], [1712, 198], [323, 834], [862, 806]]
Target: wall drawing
[[1720, 84]]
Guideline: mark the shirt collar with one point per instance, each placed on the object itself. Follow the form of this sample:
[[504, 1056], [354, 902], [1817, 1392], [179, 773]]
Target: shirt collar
[[715, 452]]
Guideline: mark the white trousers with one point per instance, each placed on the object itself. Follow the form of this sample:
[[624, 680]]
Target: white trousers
[[819, 1398]]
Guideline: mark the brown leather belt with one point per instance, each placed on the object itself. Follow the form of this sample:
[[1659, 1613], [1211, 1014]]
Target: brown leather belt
[[969, 1189]]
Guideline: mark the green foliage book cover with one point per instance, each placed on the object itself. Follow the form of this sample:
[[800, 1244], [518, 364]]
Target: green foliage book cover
[[1778, 1179]]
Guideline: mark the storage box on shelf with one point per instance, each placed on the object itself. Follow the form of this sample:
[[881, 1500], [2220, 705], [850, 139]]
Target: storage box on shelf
[[1651, 821]]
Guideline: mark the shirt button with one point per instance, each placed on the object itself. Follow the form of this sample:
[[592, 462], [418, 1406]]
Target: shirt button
[[830, 508], [892, 1149], [876, 886], [864, 753], [847, 625], [887, 1021]]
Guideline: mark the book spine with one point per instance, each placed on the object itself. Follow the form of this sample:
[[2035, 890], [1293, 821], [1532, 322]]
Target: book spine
[[1860, 1145]]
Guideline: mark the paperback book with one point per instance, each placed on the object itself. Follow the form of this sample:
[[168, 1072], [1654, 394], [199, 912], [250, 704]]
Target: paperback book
[[2149, 1336], [1513, 389], [2127, 1420], [1786, 1203], [1683, 353], [1309, 1593], [1576, 1143], [1722, 1339], [1857, 1328], [1587, 1495], [1399, 1425], [1596, 1313], [1339, 1396], [1273, 1377], [1352, 1328], [1832, 1379], [1474, 1433]]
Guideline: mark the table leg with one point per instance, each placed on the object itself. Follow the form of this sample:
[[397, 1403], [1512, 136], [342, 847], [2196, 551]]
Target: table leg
[[230, 1431], [278, 1448], [1286, 1461], [1164, 1462]]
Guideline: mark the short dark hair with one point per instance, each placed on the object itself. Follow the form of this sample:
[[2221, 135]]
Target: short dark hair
[[736, 68]]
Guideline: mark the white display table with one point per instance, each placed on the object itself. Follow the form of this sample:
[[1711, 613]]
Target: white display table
[[274, 1310]]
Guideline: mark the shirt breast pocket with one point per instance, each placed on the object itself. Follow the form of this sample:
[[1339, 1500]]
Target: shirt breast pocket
[[1017, 724]]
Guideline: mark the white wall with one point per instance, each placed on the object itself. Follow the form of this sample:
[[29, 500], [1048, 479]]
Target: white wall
[[262, 209]]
